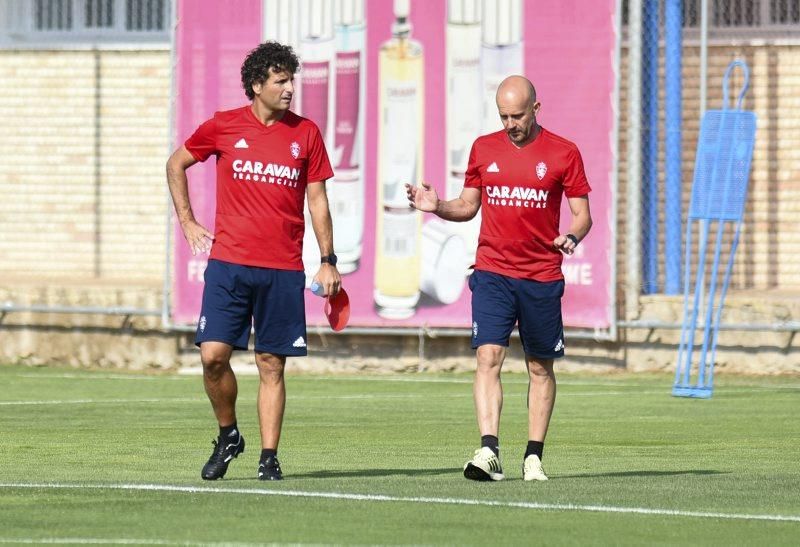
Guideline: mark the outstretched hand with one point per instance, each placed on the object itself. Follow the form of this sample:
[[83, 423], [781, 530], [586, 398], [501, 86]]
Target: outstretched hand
[[423, 197]]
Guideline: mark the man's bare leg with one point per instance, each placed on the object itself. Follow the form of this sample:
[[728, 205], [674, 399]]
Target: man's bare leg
[[219, 380], [222, 389], [271, 404], [488, 393], [488, 389], [541, 397], [271, 398], [541, 400]]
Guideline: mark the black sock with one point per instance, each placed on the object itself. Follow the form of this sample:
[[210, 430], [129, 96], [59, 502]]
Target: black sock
[[491, 441], [229, 431], [267, 452], [534, 447]]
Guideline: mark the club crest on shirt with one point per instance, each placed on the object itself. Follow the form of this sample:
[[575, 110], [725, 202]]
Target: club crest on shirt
[[294, 149], [541, 169]]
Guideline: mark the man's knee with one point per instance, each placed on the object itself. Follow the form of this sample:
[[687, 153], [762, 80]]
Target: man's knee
[[216, 361], [540, 368], [270, 367], [490, 357]]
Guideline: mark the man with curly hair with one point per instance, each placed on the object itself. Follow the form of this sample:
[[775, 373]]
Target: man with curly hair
[[268, 158]]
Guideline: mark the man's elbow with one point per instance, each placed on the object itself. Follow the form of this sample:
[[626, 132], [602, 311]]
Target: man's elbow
[[180, 161], [173, 165]]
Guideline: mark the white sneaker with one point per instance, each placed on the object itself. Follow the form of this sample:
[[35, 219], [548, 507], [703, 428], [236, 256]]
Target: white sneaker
[[532, 469], [484, 466]]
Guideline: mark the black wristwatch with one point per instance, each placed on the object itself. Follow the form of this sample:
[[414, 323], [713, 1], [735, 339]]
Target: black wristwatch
[[329, 259], [573, 238]]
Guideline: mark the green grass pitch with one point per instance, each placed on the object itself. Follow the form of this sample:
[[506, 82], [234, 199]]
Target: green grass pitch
[[115, 458]]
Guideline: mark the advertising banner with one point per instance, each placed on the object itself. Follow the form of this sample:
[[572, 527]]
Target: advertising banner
[[400, 90]]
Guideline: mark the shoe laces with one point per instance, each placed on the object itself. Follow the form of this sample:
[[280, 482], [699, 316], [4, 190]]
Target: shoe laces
[[219, 448], [533, 464], [481, 456]]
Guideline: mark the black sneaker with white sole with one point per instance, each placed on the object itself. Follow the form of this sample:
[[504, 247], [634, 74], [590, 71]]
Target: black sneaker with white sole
[[269, 469], [225, 450]]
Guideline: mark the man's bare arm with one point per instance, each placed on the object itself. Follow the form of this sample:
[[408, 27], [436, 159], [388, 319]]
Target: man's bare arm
[[327, 275], [197, 236], [579, 227]]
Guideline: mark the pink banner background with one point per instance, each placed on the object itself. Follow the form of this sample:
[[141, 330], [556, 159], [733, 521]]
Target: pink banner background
[[211, 44], [569, 52], [571, 63]]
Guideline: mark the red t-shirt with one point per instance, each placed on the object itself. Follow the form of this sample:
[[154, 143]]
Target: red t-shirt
[[521, 192], [262, 172]]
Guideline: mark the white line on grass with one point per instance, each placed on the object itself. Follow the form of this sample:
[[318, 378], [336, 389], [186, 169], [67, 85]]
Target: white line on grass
[[384, 396], [241, 399], [114, 541], [99, 401], [89, 541], [184, 374], [95, 376], [407, 499], [434, 380]]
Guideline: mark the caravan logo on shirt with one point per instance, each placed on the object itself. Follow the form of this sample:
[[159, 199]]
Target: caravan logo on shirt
[[517, 196], [269, 173]]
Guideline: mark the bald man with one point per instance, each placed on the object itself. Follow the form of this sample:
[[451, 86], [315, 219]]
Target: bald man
[[518, 175]]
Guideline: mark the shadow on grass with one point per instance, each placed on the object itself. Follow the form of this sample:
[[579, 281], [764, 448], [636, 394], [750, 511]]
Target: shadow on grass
[[457, 470], [363, 473], [378, 473], [643, 474]]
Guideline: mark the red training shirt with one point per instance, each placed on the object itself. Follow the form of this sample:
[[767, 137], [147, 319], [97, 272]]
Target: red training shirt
[[262, 173], [521, 192]]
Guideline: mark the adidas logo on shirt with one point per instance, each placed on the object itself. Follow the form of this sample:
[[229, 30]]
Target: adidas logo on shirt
[[560, 345], [241, 143], [493, 168], [299, 343]]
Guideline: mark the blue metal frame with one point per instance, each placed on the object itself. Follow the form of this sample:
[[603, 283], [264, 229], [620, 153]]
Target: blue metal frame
[[650, 123], [673, 13], [719, 192]]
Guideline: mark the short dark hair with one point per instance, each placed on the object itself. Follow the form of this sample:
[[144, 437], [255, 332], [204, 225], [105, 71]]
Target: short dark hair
[[267, 56]]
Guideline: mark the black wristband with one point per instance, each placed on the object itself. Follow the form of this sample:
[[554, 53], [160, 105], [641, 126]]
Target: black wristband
[[573, 238]]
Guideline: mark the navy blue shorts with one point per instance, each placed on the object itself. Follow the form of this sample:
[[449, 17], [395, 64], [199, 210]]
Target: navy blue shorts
[[236, 297], [500, 302]]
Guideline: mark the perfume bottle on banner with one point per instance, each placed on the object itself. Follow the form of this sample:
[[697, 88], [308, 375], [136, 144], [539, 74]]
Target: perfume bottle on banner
[[463, 59], [317, 51], [280, 22], [501, 54], [346, 189], [400, 161], [316, 81], [464, 105]]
